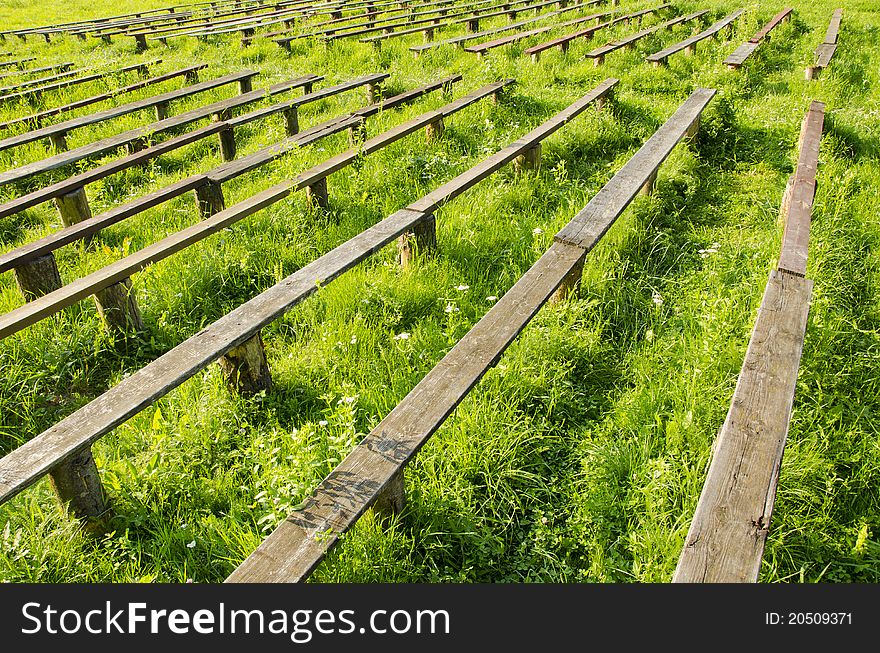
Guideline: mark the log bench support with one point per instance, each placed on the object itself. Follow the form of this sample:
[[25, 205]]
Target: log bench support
[[78, 488], [227, 143], [317, 195], [191, 77], [118, 309], [421, 241], [530, 159], [648, 188], [38, 277], [374, 92], [570, 283], [73, 208], [357, 133], [140, 42], [246, 85], [59, 141], [162, 111], [245, 367]]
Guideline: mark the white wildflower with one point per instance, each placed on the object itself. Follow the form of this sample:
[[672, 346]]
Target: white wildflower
[[491, 298], [451, 308], [402, 336], [191, 545], [323, 422], [462, 287], [656, 298], [537, 231]]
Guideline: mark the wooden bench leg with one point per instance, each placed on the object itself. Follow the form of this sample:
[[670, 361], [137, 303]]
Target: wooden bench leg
[[428, 35], [529, 159], [570, 283], [421, 241], [811, 72], [536, 57], [392, 500], [38, 277], [162, 111], [694, 129], [73, 208], [473, 25], [598, 61], [291, 121], [245, 85], [140, 42], [245, 367], [118, 309], [659, 63], [192, 77], [317, 194], [357, 133], [78, 487], [374, 92], [691, 50], [227, 144], [59, 141], [209, 199], [604, 100], [648, 188], [435, 130]]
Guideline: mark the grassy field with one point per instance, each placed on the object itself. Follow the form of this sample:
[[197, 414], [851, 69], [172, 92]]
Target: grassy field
[[581, 456]]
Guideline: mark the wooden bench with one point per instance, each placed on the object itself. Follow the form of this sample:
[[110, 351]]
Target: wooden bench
[[63, 67], [313, 181], [689, 45], [738, 57], [65, 447], [725, 542], [827, 48], [133, 137], [458, 40], [372, 474], [563, 42], [190, 73], [481, 49], [35, 92], [598, 55], [16, 63]]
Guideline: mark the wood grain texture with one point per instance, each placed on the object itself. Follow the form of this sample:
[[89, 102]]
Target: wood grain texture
[[736, 58], [796, 237], [713, 29], [512, 38], [588, 226], [834, 26], [296, 547], [761, 34], [726, 539], [65, 83]]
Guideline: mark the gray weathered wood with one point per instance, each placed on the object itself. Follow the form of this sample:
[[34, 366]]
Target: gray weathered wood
[[38, 277], [833, 26], [726, 539], [736, 58], [795, 239], [78, 488], [245, 367], [118, 309], [661, 55], [761, 34]]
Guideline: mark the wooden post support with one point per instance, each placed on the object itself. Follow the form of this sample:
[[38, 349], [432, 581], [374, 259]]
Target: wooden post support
[[528, 160], [140, 42], [691, 49], [435, 130], [693, 129], [811, 72], [227, 143], [38, 277], [245, 367], [209, 199], [162, 111], [598, 61], [357, 133], [191, 77], [421, 241], [473, 25], [59, 141], [392, 499], [536, 56], [428, 36], [374, 92], [245, 85], [605, 100], [73, 208], [659, 63], [570, 283], [563, 47], [648, 188], [317, 195], [78, 487], [136, 145], [291, 121], [118, 309]]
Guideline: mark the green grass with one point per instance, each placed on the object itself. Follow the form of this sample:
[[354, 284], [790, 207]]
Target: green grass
[[581, 455]]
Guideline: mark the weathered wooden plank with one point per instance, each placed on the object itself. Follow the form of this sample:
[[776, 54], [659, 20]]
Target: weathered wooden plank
[[466, 180], [37, 118], [713, 29], [113, 142], [484, 47], [16, 62], [588, 226], [738, 56], [769, 27], [21, 86], [632, 38], [833, 26], [588, 32], [824, 52], [121, 110], [64, 67], [795, 239], [296, 547], [726, 539]]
